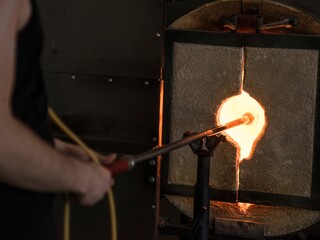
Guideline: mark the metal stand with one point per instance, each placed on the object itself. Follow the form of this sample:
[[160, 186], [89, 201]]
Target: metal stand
[[203, 148], [224, 228]]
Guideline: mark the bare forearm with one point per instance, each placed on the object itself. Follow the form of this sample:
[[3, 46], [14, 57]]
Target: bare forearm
[[28, 162]]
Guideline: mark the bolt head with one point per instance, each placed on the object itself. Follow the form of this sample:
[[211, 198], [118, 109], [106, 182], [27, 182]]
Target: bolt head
[[73, 77], [110, 80], [158, 35], [152, 179], [153, 206], [152, 162], [146, 83]]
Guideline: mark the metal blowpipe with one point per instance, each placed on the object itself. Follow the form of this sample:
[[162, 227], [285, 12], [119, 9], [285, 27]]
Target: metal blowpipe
[[127, 162]]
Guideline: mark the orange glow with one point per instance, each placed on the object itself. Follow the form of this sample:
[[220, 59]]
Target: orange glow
[[244, 137], [243, 207]]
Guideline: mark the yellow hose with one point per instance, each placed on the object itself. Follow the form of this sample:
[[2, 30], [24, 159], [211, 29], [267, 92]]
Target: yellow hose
[[94, 157], [66, 213]]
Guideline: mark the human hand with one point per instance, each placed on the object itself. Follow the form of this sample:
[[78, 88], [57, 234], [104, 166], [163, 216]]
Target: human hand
[[98, 182], [73, 150], [97, 179]]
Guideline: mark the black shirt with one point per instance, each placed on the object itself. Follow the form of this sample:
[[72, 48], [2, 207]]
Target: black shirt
[[26, 214]]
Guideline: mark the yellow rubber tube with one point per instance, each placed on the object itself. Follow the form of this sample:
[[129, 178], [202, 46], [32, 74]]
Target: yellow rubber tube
[[92, 155]]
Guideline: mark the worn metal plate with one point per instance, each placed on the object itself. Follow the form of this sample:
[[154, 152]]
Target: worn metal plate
[[124, 111], [284, 81], [202, 76], [103, 37]]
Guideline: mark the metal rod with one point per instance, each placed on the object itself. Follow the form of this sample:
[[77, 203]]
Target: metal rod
[[286, 23], [246, 119], [197, 223], [202, 195]]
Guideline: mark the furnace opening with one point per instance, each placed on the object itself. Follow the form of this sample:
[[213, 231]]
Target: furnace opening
[[244, 137]]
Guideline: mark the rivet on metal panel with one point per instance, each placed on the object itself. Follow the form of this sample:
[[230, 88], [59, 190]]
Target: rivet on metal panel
[[158, 35], [73, 77], [110, 80], [146, 83], [153, 206], [151, 179], [152, 162]]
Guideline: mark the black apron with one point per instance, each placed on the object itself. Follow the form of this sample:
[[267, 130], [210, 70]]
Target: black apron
[[26, 214]]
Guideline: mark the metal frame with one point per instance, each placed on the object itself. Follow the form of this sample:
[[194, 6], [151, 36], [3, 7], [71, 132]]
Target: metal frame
[[246, 40]]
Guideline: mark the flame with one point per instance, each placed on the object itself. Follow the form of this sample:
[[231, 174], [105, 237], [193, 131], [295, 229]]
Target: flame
[[244, 137]]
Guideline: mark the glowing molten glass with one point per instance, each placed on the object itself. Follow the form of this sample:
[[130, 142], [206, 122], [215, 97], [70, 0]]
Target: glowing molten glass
[[244, 137]]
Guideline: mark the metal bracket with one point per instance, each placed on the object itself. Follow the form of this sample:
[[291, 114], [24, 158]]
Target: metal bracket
[[230, 23], [250, 6], [285, 23]]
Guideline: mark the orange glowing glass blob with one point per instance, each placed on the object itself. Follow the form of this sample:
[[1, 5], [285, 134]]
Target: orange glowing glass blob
[[245, 137]]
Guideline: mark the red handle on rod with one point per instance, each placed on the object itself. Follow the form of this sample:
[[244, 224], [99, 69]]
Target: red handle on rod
[[119, 166]]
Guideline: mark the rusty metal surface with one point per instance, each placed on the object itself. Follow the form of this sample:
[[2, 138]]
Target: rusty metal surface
[[197, 92], [284, 81]]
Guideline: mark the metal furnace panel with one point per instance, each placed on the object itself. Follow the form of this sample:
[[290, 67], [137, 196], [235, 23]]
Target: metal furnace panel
[[119, 115], [103, 37], [202, 76], [284, 81]]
